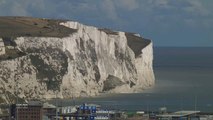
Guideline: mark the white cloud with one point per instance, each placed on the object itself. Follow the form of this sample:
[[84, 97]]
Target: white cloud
[[196, 7], [161, 4], [37, 4], [115, 11], [109, 9], [127, 4], [19, 9], [170, 13], [2, 2]]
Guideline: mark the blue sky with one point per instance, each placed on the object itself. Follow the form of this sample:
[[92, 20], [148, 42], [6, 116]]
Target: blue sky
[[166, 22]]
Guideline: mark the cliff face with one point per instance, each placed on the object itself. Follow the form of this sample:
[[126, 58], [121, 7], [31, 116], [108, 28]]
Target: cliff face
[[87, 62]]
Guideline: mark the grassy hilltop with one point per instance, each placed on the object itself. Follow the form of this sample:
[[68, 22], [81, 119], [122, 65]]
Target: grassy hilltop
[[27, 26]]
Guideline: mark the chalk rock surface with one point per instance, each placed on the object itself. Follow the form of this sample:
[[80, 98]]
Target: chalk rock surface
[[71, 60]]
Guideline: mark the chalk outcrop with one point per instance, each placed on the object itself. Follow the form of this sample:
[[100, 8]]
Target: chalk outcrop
[[87, 62], [2, 48]]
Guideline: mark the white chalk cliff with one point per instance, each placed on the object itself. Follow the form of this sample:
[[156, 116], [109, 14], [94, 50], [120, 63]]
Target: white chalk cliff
[[87, 62]]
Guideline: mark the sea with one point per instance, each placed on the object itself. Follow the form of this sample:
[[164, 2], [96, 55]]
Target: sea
[[184, 81]]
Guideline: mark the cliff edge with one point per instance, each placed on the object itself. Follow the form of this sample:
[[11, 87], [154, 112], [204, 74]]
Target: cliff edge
[[40, 58]]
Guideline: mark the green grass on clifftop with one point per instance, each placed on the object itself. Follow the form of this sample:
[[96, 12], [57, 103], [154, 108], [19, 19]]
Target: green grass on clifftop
[[35, 27]]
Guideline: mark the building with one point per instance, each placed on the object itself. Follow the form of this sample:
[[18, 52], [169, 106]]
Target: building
[[86, 112], [4, 117], [68, 109], [105, 114], [82, 112], [30, 111], [180, 115], [49, 110], [94, 112]]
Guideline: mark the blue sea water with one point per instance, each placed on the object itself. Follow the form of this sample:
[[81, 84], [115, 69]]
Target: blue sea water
[[184, 81]]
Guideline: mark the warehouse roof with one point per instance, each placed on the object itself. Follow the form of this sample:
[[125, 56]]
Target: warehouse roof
[[179, 114]]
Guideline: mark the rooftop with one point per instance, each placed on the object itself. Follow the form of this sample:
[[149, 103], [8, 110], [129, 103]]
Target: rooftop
[[179, 114]]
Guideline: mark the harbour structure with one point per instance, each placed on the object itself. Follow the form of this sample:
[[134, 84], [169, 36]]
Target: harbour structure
[[179, 115], [84, 112]]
